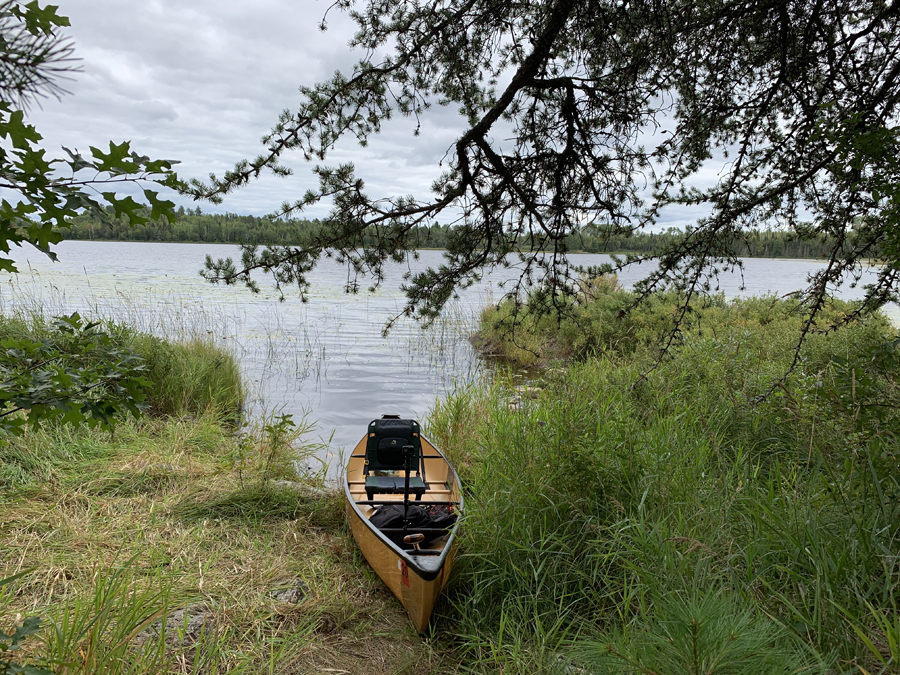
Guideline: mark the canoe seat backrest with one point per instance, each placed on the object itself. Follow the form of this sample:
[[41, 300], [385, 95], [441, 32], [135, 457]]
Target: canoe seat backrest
[[386, 439]]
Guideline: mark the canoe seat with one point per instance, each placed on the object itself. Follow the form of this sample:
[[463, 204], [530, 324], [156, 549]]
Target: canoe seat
[[384, 455], [393, 485]]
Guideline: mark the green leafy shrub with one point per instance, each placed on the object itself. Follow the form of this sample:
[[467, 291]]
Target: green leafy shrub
[[67, 370]]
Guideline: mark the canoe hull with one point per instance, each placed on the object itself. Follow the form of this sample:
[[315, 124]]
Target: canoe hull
[[416, 581], [417, 594]]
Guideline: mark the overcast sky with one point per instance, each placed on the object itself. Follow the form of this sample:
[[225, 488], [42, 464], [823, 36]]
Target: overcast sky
[[202, 81]]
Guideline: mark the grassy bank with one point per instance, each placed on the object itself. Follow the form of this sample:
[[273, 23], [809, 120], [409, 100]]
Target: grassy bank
[[185, 542], [675, 523]]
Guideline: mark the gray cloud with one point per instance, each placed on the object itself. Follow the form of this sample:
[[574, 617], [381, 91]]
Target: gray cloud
[[202, 81]]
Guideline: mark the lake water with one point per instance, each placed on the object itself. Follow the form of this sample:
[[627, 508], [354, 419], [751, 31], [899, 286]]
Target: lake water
[[325, 358]]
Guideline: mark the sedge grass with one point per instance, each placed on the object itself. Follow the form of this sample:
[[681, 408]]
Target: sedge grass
[[613, 514], [189, 377]]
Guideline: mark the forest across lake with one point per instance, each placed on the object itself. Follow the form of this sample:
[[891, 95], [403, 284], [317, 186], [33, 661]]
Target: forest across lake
[[195, 226]]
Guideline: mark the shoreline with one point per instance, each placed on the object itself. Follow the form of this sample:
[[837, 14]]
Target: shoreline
[[425, 248]]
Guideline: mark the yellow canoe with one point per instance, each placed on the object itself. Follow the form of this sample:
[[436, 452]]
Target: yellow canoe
[[416, 577]]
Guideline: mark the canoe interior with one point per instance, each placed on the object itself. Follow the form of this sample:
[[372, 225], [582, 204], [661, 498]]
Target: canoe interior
[[443, 486]]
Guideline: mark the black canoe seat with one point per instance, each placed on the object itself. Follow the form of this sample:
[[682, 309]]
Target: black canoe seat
[[394, 485], [384, 457]]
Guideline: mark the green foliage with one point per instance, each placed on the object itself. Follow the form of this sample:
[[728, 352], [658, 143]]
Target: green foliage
[[108, 371], [48, 192], [71, 371], [863, 387], [754, 243], [12, 642], [612, 504], [280, 433], [603, 320], [192, 225], [47, 366]]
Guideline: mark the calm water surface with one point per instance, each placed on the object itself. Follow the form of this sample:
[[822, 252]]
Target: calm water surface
[[325, 358]]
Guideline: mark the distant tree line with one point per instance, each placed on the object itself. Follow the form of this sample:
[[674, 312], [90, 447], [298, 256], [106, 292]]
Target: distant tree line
[[760, 243], [193, 225], [215, 228]]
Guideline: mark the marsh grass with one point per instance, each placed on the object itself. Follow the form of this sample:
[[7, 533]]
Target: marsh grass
[[189, 377], [626, 524], [152, 519]]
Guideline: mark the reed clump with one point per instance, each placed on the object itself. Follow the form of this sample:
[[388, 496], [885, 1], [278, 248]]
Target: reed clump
[[632, 515], [190, 376]]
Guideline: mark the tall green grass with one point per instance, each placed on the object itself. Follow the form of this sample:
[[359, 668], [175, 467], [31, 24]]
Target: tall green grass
[[189, 377], [102, 632], [667, 520], [194, 377]]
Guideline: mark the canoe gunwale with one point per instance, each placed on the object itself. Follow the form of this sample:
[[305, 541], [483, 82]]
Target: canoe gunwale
[[434, 570]]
